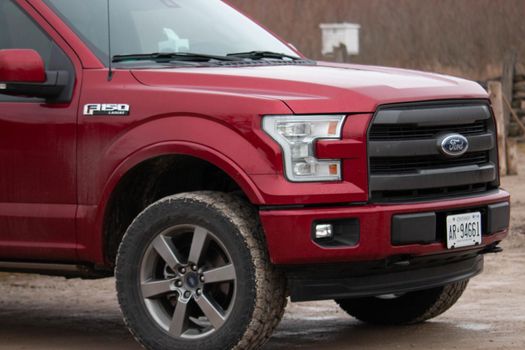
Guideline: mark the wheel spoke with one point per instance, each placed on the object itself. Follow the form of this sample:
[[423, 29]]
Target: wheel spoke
[[220, 274], [155, 288], [166, 251], [215, 316], [197, 245], [178, 322]]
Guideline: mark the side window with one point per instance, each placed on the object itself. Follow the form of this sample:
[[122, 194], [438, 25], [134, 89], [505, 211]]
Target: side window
[[89, 19], [19, 31]]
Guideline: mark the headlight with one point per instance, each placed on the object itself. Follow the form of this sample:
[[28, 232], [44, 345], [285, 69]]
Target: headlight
[[296, 135]]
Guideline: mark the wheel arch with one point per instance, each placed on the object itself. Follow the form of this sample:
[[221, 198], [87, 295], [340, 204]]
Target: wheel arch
[[162, 156]]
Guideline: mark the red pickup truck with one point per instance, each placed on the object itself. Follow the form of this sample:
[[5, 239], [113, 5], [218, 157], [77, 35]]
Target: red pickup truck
[[216, 171]]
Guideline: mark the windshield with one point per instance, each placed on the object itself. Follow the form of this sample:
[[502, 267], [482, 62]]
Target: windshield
[[208, 27]]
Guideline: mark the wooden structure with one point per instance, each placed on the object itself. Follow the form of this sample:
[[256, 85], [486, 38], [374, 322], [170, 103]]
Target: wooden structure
[[507, 147], [496, 96]]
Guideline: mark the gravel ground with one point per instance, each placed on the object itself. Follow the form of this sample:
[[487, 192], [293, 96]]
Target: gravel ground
[[49, 313]]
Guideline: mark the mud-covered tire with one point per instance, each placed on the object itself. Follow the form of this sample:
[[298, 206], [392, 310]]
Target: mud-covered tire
[[409, 308], [256, 296]]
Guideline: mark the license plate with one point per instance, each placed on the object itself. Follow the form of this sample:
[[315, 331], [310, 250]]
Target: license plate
[[463, 230]]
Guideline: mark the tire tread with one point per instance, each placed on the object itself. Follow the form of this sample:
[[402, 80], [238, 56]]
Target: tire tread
[[411, 308]]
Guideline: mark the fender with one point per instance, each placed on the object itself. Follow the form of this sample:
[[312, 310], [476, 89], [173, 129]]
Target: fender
[[91, 218], [109, 146], [252, 156]]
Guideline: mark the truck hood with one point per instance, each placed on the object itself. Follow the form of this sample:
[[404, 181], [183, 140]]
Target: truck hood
[[322, 88]]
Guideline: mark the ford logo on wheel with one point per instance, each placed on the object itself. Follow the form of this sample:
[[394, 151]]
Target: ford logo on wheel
[[453, 145]]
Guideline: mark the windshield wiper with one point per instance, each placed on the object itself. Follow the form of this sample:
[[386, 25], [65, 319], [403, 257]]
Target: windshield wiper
[[172, 56], [257, 55]]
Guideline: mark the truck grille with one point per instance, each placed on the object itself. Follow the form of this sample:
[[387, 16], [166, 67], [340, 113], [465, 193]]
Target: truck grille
[[404, 151]]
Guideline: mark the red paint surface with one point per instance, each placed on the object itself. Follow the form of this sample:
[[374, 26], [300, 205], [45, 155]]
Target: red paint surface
[[288, 232], [38, 181], [59, 167], [21, 65]]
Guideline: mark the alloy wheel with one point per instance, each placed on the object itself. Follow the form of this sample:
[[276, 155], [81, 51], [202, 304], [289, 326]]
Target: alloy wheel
[[188, 281]]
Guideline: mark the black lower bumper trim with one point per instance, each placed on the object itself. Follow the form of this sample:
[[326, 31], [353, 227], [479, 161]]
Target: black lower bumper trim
[[386, 282], [498, 217]]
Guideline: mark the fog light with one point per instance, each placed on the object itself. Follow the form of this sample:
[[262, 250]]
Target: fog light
[[323, 231]]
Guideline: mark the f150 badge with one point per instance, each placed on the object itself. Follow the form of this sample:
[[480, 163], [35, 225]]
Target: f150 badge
[[117, 109]]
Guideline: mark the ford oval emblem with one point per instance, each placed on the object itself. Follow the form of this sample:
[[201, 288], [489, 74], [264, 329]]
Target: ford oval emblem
[[453, 145]]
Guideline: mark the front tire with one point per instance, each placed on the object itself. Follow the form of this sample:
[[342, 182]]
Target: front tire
[[409, 308], [193, 272]]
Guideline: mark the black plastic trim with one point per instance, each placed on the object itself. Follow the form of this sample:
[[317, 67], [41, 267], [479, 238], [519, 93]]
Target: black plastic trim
[[388, 280], [435, 178], [396, 194], [68, 270], [414, 228], [390, 194], [425, 147], [431, 116], [498, 217], [51, 90]]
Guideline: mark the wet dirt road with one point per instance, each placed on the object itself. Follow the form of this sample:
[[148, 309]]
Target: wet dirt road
[[47, 313]]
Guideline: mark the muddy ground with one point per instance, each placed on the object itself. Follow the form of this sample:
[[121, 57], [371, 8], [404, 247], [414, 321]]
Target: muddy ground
[[47, 313]]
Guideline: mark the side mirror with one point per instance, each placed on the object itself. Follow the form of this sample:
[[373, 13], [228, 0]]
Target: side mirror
[[22, 73], [17, 66]]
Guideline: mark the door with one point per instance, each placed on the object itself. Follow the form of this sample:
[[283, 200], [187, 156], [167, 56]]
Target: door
[[37, 151]]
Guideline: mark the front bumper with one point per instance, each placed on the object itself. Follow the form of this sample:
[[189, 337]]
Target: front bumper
[[288, 231]]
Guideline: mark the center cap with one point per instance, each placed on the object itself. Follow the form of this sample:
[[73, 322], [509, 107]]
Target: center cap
[[192, 280]]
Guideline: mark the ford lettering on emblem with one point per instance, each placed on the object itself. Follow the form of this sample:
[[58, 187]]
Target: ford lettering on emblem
[[453, 145]]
